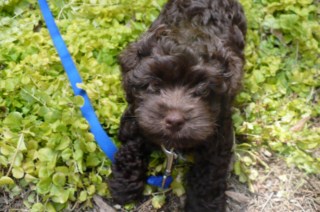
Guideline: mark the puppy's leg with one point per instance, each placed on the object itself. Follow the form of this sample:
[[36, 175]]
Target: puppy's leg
[[128, 173], [129, 169], [206, 181]]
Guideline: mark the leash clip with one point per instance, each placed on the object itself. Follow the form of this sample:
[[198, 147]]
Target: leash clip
[[171, 156]]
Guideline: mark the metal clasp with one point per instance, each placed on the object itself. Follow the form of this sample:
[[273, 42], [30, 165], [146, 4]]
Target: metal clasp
[[171, 156]]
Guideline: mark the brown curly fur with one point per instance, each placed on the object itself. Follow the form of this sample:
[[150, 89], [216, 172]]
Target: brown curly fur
[[180, 79]]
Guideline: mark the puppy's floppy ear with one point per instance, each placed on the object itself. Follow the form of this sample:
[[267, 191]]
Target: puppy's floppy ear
[[131, 58], [128, 60], [236, 78], [235, 46], [233, 57], [134, 53]]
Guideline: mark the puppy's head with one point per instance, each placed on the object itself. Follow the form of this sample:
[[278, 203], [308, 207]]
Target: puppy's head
[[177, 117], [175, 93]]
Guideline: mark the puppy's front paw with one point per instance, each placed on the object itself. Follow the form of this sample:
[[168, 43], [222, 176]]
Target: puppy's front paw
[[124, 191], [128, 172]]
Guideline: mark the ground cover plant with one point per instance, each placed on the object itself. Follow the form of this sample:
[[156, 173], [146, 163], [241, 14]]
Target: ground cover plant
[[46, 149]]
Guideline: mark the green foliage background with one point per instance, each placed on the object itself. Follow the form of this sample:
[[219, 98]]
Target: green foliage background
[[45, 145]]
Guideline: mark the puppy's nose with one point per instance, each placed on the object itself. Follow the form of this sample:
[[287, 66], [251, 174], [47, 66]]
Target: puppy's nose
[[174, 120]]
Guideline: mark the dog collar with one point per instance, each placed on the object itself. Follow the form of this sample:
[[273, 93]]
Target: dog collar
[[171, 156], [165, 180]]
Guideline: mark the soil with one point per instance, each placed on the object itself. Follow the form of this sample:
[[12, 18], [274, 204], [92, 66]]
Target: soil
[[281, 189]]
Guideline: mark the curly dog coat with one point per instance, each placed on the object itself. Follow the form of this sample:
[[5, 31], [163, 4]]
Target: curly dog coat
[[180, 80]]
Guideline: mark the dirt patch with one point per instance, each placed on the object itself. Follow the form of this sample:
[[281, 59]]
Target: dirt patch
[[285, 189], [8, 202]]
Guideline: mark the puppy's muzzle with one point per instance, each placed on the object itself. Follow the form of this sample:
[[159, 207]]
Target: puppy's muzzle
[[174, 121]]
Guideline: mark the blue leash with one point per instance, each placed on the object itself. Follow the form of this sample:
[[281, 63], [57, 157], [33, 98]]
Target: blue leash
[[103, 140]]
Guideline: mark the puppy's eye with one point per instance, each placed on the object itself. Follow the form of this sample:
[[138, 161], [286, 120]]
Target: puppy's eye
[[202, 90], [154, 87]]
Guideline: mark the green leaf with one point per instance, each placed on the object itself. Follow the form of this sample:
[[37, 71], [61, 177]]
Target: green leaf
[[247, 160], [258, 76], [83, 196], [25, 80], [45, 171], [178, 188], [44, 185], [59, 194], [158, 201], [37, 207], [50, 208], [129, 206], [237, 167], [102, 189], [30, 179], [66, 154], [59, 179], [6, 181], [91, 147], [78, 101], [14, 121], [93, 160], [47, 155], [253, 174], [91, 189], [18, 172], [288, 21], [148, 190]]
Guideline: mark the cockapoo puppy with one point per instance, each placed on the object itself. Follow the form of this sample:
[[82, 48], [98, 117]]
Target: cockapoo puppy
[[180, 80]]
